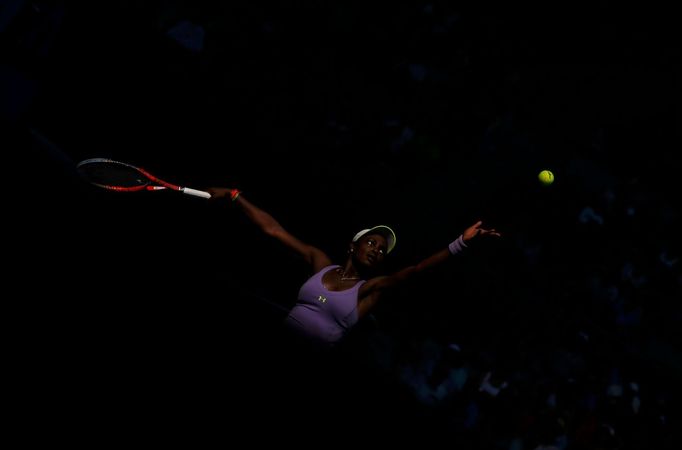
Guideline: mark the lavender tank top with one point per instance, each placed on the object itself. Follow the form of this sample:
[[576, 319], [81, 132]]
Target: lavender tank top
[[323, 315]]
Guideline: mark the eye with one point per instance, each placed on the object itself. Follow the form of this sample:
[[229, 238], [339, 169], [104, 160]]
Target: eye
[[373, 243]]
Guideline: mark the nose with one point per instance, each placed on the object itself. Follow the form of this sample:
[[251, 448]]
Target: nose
[[375, 253]]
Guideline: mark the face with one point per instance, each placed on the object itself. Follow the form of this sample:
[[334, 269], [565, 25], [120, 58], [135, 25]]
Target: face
[[370, 250]]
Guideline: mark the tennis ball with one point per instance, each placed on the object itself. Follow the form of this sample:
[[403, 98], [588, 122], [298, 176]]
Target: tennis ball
[[546, 177]]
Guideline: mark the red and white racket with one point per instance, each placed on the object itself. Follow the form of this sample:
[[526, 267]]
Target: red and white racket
[[122, 177]]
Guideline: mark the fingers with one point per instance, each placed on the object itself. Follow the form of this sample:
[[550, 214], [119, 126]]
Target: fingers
[[476, 230], [217, 193], [484, 231]]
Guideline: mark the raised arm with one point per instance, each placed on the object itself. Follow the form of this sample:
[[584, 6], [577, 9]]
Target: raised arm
[[313, 255], [377, 288]]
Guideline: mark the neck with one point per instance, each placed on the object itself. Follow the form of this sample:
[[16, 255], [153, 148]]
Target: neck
[[348, 274]]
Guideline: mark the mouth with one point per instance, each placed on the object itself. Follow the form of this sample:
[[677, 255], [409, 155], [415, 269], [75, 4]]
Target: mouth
[[371, 258]]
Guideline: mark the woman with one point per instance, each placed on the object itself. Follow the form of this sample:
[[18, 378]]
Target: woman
[[336, 297]]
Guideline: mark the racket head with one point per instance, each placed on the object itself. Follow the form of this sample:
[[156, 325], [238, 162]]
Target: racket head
[[113, 175]]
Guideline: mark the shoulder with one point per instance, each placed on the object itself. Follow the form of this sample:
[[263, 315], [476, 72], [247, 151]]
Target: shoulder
[[327, 268], [374, 283], [319, 259]]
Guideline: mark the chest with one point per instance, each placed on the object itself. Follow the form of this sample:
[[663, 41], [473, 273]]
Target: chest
[[330, 295]]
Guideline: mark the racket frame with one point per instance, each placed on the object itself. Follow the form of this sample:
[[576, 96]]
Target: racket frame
[[159, 183]]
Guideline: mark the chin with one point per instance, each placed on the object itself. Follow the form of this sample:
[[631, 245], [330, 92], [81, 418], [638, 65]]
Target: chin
[[371, 268]]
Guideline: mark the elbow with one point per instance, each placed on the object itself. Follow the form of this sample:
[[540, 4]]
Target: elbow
[[272, 230]]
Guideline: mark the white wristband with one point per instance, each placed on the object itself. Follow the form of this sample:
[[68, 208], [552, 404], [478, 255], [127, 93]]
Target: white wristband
[[457, 245]]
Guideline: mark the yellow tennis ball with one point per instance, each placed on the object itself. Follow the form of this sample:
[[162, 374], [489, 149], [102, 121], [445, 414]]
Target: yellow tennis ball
[[546, 177]]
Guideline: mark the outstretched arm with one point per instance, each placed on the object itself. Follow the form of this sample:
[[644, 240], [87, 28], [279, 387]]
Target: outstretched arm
[[314, 256], [376, 288]]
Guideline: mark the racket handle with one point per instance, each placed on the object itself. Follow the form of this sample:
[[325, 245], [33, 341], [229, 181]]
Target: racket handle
[[196, 193]]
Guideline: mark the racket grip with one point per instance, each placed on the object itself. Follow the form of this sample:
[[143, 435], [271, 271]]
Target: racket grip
[[196, 193]]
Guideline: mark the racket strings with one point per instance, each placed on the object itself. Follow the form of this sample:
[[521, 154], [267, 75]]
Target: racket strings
[[112, 174]]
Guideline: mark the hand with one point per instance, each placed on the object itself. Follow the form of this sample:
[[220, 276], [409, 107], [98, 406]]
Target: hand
[[476, 231], [219, 193]]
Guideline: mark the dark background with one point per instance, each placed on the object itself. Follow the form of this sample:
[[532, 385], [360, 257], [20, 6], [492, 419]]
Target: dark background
[[425, 116]]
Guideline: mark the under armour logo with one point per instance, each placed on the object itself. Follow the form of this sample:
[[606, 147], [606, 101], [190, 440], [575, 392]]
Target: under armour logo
[[322, 298]]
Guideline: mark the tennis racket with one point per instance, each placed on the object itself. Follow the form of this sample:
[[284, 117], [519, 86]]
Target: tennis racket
[[122, 177]]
